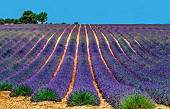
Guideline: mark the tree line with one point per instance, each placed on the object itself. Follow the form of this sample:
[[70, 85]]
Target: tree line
[[28, 17]]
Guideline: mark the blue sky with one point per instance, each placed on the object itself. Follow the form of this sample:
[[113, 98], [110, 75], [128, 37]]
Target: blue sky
[[92, 11]]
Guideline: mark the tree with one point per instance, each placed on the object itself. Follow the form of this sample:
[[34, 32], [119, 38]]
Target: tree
[[28, 17], [63, 23], [2, 21], [76, 23], [33, 18], [42, 17], [17, 21], [8, 20]]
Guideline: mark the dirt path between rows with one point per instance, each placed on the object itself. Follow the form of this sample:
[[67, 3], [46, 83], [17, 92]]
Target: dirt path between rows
[[7, 102]]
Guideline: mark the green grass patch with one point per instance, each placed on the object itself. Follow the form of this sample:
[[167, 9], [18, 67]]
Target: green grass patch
[[168, 54], [21, 91], [136, 101], [5, 86], [45, 95], [161, 50], [82, 98]]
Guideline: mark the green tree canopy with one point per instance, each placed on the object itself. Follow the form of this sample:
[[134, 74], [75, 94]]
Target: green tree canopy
[[76, 23], [2, 21], [42, 17], [28, 17], [63, 23]]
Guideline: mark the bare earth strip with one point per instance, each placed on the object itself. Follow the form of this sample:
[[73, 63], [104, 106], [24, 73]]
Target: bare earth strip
[[7, 102]]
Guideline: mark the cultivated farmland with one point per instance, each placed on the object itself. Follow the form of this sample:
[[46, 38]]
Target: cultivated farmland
[[126, 66]]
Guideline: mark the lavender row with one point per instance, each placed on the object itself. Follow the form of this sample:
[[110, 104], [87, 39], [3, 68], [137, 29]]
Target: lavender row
[[158, 42], [143, 53], [113, 91], [30, 70], [155, 36], [13, 41], [5, 37], [45, 74], [151, 49], [154, 48], [59, 85], [158, 36], [19, 54], [11, 50], [8, 35], [127, 77], [23, 63], [12, 38], [153, 40], [83, 84], [157, 59], [137, 69], [113, 63], [157, 69]]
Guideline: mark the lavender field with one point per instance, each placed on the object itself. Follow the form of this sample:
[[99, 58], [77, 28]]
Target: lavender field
[[129, 65]]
